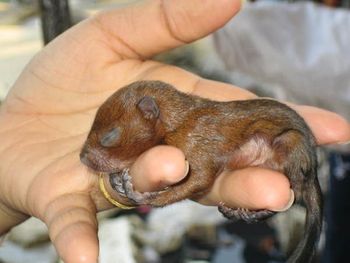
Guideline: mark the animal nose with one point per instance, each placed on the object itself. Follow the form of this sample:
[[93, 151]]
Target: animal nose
[[84, 157]]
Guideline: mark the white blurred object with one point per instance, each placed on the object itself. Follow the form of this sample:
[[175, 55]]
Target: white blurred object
[[13, 253], [29, 233], [166, 226], [18, 44], [301, 48], [115, 241], [28, 242], [289, 227]]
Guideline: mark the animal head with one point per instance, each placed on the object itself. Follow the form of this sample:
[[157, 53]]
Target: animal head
[[125, 126]]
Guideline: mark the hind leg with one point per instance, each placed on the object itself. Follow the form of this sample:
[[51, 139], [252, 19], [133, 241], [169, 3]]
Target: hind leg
[[296, 158], [249, 216], [287, 153]]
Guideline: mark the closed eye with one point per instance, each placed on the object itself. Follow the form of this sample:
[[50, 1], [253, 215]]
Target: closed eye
[[110, 138]]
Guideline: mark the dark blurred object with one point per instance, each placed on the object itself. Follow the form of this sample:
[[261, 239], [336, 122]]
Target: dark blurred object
[[55, 18], [220, 244], [195, 58], [331, 3], [261, 245], [23, 2], [199, 243], [338, 211]]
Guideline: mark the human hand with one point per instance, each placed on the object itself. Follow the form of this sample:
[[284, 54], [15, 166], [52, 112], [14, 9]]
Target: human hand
[[48, 113]]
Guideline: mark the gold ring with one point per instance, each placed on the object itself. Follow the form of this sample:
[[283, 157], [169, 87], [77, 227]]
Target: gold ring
[[107, 195]]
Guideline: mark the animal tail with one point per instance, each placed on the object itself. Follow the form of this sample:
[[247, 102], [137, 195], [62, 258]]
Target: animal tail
[[312, 197]]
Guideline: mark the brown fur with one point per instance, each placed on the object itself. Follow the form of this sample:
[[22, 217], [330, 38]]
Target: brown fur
[[214, 136]]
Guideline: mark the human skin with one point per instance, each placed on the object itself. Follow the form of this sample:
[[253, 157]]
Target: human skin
[[50, 108]]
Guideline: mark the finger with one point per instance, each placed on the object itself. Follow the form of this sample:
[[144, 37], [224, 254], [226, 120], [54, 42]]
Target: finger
[[72, 224], [150, 27], [253, 188], [159, 167], [328, 127]]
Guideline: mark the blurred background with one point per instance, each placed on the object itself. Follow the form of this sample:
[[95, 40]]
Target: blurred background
[[291, 50]]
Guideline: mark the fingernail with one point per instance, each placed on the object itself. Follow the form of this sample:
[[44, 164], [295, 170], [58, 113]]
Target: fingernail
[[187, 168], [290, 203], [344, 143]]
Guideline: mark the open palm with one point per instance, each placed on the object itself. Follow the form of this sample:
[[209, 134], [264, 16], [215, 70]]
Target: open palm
[[48, 113]]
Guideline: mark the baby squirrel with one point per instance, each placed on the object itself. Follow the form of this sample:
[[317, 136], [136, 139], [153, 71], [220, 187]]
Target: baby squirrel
[[214, 136]]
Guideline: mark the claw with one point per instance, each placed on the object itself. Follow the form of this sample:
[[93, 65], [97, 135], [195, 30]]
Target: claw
[[137, 197], [116, 183], [244, 214]]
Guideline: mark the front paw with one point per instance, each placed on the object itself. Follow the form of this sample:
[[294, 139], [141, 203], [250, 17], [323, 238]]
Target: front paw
[[127, 189]]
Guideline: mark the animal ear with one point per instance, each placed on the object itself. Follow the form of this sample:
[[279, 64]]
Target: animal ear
[[148, 107]]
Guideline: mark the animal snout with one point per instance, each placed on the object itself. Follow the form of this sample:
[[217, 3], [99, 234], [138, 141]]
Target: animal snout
[[84, 157], [93, 159]]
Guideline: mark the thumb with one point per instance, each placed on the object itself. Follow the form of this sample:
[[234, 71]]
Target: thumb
[[150, 27], [72, 224]]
